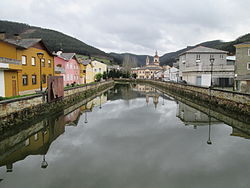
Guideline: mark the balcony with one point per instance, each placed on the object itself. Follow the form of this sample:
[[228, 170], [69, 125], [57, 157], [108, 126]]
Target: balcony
[[207, 68], [10, 64]]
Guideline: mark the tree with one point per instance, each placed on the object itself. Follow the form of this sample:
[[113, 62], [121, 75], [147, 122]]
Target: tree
[[134, 75], [98, 77], [104, 76]]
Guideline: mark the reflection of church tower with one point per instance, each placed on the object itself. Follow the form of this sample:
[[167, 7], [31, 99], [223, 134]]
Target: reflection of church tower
[[156, 59], [156, 100], [147, 60]]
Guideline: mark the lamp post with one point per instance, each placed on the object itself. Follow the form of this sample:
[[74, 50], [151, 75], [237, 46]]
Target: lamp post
[[211, 64], [44, 163], [209, 142], [162, 98], [40, 56], [100, 102], [85, 117]]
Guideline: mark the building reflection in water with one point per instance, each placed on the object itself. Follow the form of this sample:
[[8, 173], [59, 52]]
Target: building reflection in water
[[37, 138], [191, 116]]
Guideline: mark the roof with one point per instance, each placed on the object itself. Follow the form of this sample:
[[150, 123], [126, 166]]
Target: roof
[[86, 61], [203, 49], [23, 43], [150, 68], [67, 56], [244, 43]]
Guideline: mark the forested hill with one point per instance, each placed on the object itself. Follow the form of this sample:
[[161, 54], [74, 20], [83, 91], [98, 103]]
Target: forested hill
[[54, 40]]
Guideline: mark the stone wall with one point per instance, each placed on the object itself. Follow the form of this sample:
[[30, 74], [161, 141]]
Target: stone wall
[[21, 110], [234, 101]]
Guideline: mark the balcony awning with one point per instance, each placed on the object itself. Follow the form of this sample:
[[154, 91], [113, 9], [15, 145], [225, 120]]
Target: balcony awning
[[10, 64]]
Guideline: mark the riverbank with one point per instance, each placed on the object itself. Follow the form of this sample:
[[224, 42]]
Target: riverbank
[[232, 102], [18, 111]]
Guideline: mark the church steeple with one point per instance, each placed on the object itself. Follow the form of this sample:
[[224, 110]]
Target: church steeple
[[156, 58]]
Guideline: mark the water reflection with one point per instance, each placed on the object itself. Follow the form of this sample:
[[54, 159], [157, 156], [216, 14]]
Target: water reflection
[[36, 140], [122, 140]]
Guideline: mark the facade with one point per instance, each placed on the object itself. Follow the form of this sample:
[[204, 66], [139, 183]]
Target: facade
[[87, 73], [196, 69], [150, 69], [99, 67], [70, 68], [171, 74], [242, 67], [20, 70]]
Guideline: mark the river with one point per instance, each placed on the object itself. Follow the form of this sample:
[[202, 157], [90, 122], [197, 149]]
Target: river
[[131, 137]]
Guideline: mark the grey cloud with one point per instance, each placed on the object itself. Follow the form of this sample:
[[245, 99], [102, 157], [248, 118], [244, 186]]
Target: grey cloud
[[136, 26]]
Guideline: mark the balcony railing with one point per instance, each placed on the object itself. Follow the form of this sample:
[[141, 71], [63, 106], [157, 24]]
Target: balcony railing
[[9, 61], [219, 68]]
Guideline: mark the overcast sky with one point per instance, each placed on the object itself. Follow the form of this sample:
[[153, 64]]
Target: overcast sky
[[136, 26]]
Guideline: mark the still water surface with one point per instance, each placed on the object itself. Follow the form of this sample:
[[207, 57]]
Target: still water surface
[[131, 138]]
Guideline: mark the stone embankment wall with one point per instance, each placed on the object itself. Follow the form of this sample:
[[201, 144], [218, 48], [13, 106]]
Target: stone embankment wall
[[230, 100], [16, 111]]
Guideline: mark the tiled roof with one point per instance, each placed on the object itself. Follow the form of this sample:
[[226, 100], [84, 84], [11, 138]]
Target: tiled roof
[[203, 49], [67, 56], [86, 61], [23, 43], [150, 68]]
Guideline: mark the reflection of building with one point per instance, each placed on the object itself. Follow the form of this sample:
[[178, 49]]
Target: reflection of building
[[21, 145], [191, 116], [72, 118], [150, 69]]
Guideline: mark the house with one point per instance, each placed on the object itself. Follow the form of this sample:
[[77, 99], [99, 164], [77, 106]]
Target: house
[[99, 67], [70, 67], [196, 68], [150, 69], [22, 70], [87, 73], [171, 74], [242, 67]]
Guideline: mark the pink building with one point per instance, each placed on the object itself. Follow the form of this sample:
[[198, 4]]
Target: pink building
[[66, 65]]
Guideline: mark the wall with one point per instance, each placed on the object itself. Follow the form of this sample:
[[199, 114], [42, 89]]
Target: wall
[[16, 111], [234, 101], [30, 70], [2, 85]]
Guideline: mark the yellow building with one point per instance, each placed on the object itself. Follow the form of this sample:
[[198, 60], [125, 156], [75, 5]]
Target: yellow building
[[20, 66], [89, 68]]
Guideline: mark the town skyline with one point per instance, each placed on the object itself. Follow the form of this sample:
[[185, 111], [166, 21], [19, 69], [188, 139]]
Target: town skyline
[[171, 27]]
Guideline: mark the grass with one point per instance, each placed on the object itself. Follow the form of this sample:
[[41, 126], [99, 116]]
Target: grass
[[16, 97]]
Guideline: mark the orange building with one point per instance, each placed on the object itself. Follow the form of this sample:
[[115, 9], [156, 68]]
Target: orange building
[[21, 69]]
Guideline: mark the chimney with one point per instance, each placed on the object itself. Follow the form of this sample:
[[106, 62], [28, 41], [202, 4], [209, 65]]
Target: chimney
[[2, 35], [17, 37], [59, 53]]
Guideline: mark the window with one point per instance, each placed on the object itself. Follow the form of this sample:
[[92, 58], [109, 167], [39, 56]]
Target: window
[[248, 66], [25, 80], [43, 62], [33, 61], [49, 63], [24, 60], [34, 79], [221, 56], [198, 57], [100, 70], [44, 78], [211, 56], [36, 137], [84, 71]]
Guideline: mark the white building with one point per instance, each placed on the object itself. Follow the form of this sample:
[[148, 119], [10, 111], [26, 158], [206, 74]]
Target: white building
[[171, 74], [196, 69]]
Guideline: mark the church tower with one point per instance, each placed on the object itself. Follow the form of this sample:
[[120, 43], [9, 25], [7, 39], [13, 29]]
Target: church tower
[[156, 59], [147, 61]]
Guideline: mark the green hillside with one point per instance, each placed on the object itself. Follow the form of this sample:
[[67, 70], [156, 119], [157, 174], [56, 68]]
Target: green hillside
[[54, 40]]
